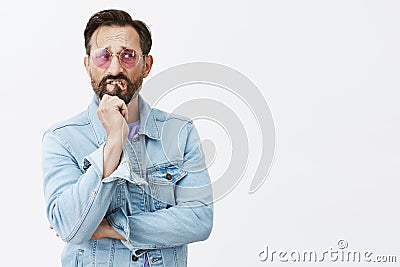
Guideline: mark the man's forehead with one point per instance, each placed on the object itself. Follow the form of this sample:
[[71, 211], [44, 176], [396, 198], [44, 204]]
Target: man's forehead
[[109, 36]]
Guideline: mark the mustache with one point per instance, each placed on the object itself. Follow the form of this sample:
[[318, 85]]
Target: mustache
[[132, 87]]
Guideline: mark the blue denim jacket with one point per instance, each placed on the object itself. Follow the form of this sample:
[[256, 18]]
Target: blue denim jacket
[[159, 197]]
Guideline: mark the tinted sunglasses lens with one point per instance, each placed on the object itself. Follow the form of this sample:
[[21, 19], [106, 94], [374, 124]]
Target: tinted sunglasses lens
[[129, 58], [102, 58]]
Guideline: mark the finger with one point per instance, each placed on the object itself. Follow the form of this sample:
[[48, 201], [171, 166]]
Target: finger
[[125, 115], [115, 101], [124, 111], [104, 99], [109, 100], [121, 106], [112, 102]]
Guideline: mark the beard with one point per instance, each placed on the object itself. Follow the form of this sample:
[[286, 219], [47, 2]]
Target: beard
[[131, 92]]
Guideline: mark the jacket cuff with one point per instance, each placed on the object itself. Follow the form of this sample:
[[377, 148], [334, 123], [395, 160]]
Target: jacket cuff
[[123, 170], [95, 160], [120, 222]]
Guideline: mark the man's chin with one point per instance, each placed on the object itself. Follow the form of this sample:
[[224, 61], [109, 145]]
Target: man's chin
[[125, 95], [127, 98]]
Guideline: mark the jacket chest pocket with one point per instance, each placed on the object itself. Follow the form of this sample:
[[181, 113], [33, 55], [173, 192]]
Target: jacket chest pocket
[[162, 182]]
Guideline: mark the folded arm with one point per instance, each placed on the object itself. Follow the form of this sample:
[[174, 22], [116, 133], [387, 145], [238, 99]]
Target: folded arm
[[189, 220]]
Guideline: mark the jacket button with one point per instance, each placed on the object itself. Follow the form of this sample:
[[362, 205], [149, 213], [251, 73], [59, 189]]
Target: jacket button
[[140, 251], [134, 258], [154, 260], [168, 176]]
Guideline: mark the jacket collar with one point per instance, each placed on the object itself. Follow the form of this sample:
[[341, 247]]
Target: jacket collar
[[148, 125]]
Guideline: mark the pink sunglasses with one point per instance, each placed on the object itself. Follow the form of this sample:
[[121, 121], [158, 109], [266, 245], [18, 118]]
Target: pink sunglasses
[[128, 58]]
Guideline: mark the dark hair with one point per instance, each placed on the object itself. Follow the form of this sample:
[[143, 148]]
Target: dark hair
[[114, 17]]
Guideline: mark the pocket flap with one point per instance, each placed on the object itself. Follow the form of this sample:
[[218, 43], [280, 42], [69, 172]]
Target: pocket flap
[[166, 175]]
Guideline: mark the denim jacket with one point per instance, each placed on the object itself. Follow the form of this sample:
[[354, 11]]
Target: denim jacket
[[159, 197]]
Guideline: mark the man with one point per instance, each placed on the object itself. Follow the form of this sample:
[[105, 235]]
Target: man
[[124, 184]]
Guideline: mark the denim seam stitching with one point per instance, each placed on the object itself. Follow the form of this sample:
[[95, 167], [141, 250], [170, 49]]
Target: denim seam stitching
[[82, 216]]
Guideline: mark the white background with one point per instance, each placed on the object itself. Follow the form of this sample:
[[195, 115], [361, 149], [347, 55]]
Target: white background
[[328, 70]]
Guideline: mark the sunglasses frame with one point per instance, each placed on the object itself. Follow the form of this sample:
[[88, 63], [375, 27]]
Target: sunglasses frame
[[118, 55]]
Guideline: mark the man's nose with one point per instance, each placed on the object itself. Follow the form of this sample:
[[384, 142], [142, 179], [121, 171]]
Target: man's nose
[[115, 67]]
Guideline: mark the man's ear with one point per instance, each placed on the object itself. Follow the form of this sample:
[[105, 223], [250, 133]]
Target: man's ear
[[147, 67], [86, 63]]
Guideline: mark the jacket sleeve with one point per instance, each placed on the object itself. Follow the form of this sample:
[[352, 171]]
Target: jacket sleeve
[[76, 199], [190, 220]]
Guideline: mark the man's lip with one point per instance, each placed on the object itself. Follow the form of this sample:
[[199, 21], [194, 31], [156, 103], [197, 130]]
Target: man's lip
[[120, 82], [112, 80]]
